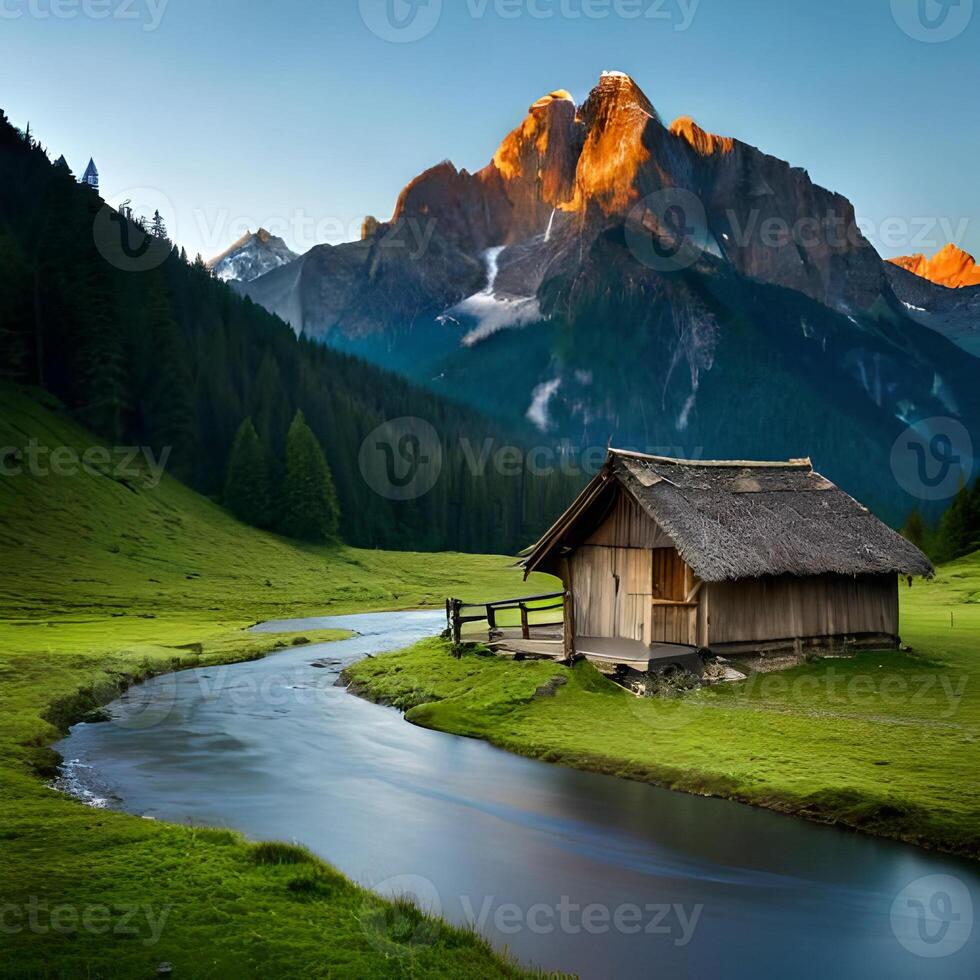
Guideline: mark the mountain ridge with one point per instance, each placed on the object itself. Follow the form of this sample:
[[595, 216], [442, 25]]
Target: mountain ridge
[[593, 277]]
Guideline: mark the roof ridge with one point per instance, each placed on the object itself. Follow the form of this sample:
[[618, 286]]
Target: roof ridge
[[740, 463]]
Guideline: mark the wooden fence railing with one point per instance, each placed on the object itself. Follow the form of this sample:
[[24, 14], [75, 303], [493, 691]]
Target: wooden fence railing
[[459, 613]]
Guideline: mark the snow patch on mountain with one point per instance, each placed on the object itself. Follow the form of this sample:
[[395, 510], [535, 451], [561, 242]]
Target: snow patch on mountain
[[253, 255], [492, 312], [541, 397]]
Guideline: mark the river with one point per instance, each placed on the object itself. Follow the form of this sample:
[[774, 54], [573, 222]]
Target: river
[[568, 870]]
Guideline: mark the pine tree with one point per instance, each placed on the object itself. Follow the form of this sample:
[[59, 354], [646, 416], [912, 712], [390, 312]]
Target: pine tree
[[247, 489], [158, 227], [915, 530], [955, 536], [310, 511]]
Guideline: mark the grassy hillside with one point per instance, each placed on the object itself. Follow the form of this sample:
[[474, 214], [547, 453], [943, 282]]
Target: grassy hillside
[[885, 741], [105, 579], [110, 543]]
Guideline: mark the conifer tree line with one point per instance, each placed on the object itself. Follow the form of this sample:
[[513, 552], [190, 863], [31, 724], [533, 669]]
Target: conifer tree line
[[267, 423], [956, 533]]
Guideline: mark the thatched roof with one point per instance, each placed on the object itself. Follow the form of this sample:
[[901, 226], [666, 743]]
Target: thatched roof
[[738, 519]]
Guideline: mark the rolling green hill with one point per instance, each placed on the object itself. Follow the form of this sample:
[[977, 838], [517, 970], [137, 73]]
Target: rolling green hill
[[109, 544]]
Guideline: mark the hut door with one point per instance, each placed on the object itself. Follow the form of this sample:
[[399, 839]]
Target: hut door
[[673, 618], [612, 592]]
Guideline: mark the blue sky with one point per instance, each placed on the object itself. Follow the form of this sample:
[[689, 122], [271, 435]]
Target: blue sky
[[294, 114]]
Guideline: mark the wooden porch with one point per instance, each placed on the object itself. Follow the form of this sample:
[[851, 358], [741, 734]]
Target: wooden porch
[[529, 627], [533, 628]]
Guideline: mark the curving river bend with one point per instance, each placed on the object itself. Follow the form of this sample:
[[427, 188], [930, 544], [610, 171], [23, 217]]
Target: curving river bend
[[568, 870]]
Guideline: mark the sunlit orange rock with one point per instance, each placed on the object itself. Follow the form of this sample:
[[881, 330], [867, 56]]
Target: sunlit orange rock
[[950, 266], [616, 116], [536, 162], [703, 142]]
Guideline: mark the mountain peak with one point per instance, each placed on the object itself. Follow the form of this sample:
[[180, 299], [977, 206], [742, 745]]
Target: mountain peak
[[251, 256], [616, 91], [950, 267], [615, 116], [559, 95], [545, 135]]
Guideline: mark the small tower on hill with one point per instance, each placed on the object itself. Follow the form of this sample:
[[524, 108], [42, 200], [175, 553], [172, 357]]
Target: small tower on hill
[[91, 175]]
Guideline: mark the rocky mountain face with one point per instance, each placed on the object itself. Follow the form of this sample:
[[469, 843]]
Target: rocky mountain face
[[951, 267], [953, 311], [253, 255], [606, 276]]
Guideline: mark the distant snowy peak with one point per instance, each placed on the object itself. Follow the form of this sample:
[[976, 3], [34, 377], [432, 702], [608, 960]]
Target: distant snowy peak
[[253, 255]]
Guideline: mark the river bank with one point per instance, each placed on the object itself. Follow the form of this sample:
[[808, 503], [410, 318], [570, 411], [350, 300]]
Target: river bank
[[88, 890], [884, 742]]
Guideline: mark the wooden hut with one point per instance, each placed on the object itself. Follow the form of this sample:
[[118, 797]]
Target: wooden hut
[[661, 557]]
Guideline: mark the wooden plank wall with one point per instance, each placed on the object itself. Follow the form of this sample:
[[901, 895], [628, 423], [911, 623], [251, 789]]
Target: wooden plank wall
[[789, 607], [629, 526]]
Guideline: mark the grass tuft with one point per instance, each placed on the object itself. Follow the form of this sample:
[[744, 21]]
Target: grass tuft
[[277, 852]]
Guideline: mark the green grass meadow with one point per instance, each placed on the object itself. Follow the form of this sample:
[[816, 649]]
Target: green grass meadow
[[106, 580]]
